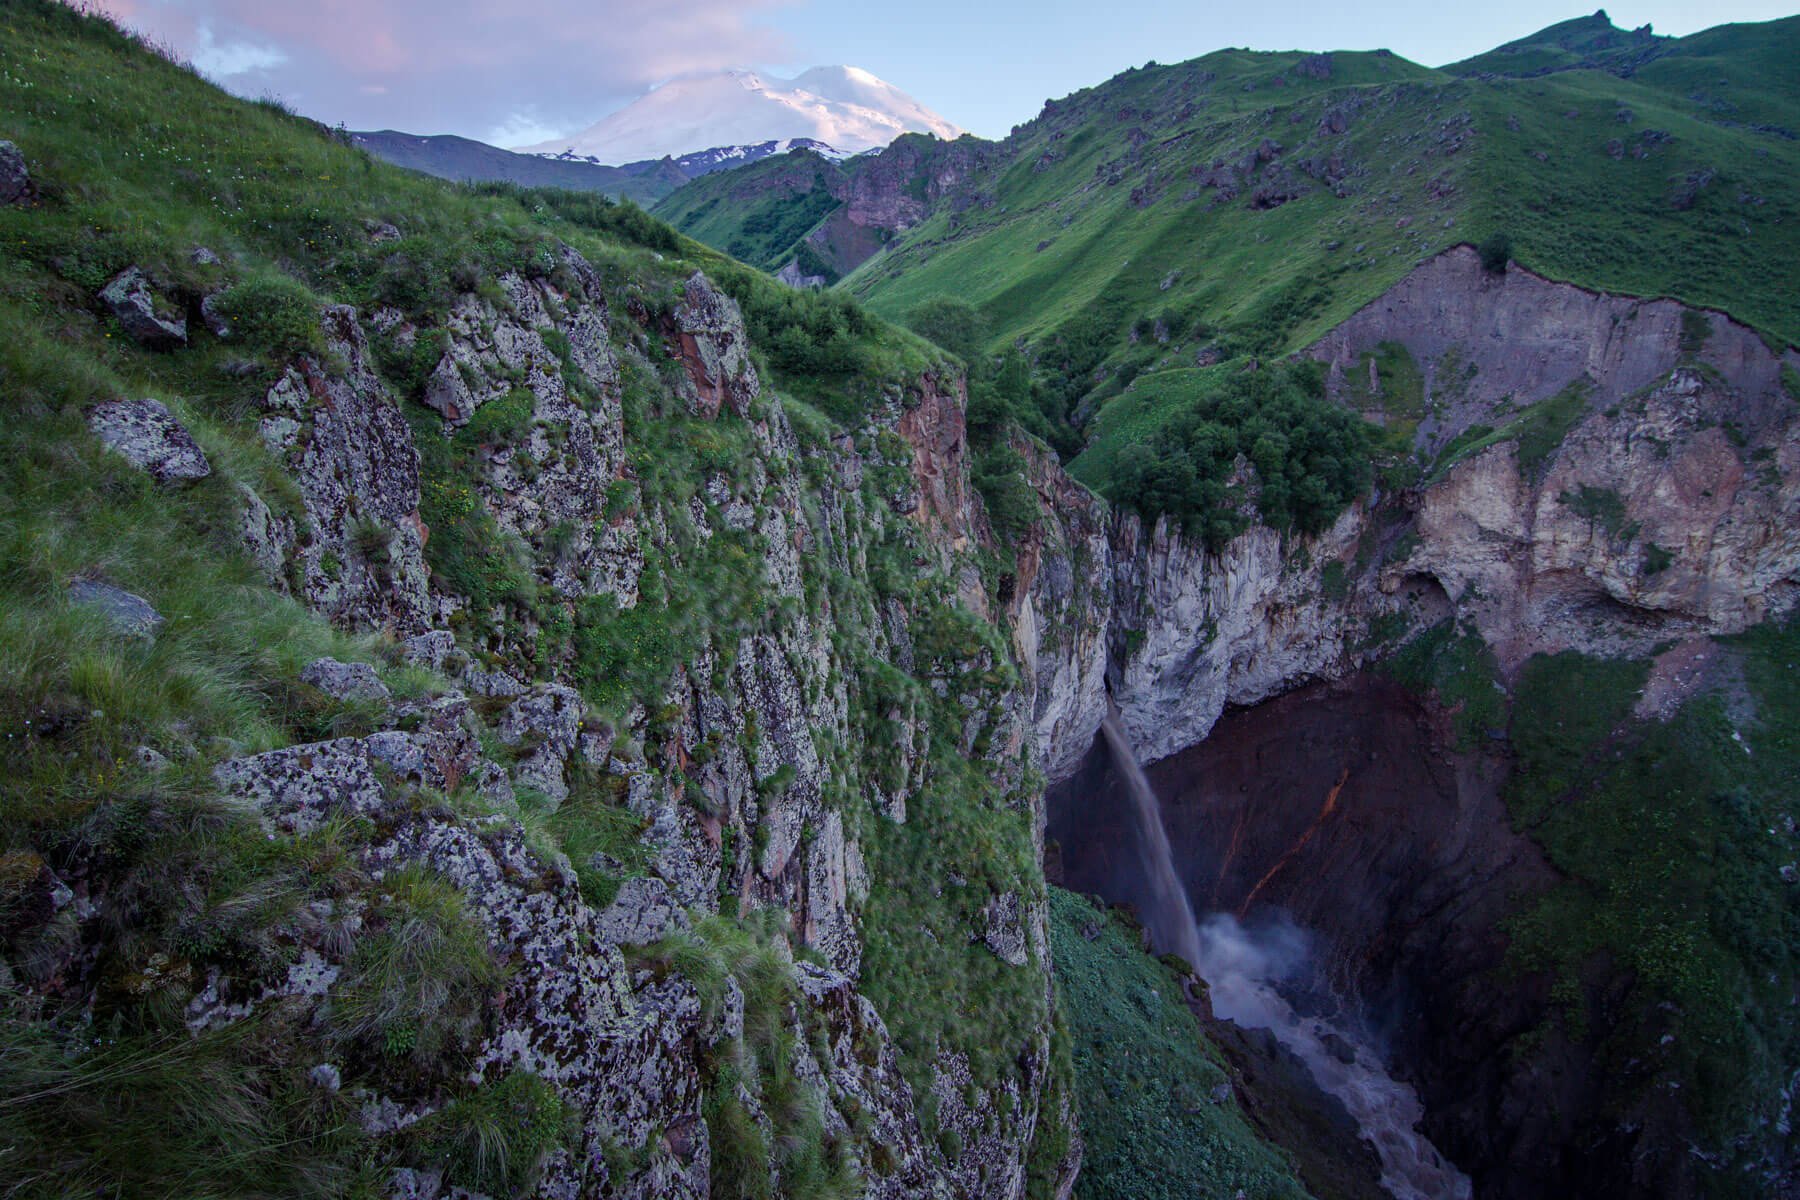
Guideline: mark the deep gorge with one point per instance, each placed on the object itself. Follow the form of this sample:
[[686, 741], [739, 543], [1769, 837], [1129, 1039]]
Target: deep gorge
[[503, 700]]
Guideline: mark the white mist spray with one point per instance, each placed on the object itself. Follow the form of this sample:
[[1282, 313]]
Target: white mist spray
[[1243, 969]]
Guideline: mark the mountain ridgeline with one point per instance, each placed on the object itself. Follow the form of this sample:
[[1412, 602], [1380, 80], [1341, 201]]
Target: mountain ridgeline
[[506, 698]]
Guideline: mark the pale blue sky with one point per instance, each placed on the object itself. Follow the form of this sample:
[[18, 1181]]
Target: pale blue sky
[[515, 71], [988, 66]]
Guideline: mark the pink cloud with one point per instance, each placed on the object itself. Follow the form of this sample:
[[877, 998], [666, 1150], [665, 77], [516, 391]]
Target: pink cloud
[[462, 66]]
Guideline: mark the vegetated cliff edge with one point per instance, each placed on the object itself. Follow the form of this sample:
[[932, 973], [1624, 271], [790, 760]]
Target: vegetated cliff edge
[[476, 726], [1601, 487]]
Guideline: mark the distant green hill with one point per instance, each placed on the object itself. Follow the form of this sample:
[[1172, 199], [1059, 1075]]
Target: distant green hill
[[758, 213], [1244, 203]]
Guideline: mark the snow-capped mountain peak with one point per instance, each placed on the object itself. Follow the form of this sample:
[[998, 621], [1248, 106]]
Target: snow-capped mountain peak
[[844, 108]]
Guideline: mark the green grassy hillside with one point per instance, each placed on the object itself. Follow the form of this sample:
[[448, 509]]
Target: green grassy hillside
[[758, 213], [1241, 204], [1163, 1130]]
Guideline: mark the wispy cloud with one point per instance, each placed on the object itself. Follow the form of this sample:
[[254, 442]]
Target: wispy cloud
[[483, 68], [223, 60]]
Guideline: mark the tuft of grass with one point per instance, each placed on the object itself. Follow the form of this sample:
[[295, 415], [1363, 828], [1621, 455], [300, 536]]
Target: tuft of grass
[[417, 980], [496, 1138]]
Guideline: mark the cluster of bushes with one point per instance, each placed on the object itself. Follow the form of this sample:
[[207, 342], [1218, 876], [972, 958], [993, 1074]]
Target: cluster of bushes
[[1310, 457]]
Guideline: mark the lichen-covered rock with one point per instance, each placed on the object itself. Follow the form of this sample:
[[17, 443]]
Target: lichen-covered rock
[[345, 681], [709, 334], [431, 649], [215, 321], [549, 483], [359, 554], [1003, 932], [129, 614], [134, 304], [644, 911], [149, 437], [546, 724], [15, 179]]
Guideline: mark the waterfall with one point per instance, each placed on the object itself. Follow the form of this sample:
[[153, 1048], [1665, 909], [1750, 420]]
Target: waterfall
[[1242, 969], [1171, 915]]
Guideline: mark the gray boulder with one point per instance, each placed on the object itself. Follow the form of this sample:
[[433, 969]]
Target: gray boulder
[[130, 615], [345, 681], [129, 298], [299, 787], [213, 319], [149, 438], [15, 180]]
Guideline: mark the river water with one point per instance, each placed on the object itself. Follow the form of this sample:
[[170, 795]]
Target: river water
[[1245, 970]]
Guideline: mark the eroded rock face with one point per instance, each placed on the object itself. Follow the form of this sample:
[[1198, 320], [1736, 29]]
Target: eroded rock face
[[1483, 340], [1650, 522], [130, 299], [714, 350], [745, 780], [149, 437], [1667, 510], [550, 484], [1060, 613], [356, 550]]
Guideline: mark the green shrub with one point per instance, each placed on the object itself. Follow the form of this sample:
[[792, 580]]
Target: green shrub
[[1496, 252], [275, 313], [495, 1139], [1311, 456]]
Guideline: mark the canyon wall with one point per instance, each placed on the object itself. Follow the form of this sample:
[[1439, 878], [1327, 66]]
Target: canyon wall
[[847, 702]]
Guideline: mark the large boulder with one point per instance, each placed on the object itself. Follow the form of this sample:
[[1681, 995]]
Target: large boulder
[[645, 911], [129, 614], [545, 724], [150, 438], [130, 298], [15, 180], [345, 681]]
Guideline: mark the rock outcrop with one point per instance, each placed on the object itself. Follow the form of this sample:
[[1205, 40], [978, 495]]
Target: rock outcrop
[[142, 313], [1660, 502], [764, 777], [148, 436]]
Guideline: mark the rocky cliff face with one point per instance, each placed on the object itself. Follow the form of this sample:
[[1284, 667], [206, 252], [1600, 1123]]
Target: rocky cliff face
[[1627, 472], [765, 778], [1600, 474]]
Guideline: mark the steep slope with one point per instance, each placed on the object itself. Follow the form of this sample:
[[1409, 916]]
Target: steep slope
[[814, 220], [474, 722], [843, 107]]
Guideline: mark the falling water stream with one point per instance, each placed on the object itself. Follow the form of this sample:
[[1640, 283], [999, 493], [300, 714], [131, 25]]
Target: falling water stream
[[1242, 969]]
